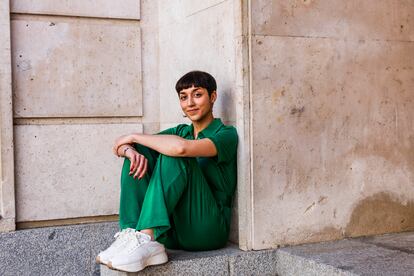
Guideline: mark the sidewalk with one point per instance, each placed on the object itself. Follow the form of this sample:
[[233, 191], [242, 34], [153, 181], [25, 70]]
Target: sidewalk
[[71, 250], [391, 254]]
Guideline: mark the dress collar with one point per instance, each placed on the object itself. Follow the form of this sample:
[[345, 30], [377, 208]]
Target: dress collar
[[208, 131]]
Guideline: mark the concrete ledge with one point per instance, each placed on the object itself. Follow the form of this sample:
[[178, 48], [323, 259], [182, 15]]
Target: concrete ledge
[[226, 261], [391, 254], [71, 250], [64, 250], [380, 255]]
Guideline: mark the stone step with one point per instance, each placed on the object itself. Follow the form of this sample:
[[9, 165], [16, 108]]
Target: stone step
[[226, 261], [71, 250], [63, 250], [381, 255]]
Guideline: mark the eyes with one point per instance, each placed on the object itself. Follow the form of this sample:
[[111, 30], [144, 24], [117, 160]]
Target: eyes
[[184, 97]]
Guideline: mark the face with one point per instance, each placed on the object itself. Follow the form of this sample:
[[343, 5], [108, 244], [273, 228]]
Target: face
[[196, 103]]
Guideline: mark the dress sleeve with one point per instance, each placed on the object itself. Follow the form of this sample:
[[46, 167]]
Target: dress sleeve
[[225, 141], [169, 131]]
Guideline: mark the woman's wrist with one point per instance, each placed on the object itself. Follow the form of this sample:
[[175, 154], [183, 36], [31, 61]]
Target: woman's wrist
[[123, 149]]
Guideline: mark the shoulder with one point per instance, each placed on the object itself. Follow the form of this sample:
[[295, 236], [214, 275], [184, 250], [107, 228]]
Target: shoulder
[[177, 130], [182, 129], [227, 130]]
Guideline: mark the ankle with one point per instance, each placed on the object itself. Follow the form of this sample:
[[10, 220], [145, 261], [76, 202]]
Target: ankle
[[149, 232]]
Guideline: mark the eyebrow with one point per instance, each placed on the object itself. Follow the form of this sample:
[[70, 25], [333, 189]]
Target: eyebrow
[[195, 89]]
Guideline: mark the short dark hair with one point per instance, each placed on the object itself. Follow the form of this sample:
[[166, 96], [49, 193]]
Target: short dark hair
[[197, 79]]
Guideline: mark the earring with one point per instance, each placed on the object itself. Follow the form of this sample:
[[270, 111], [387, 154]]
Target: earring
[[184, 116]]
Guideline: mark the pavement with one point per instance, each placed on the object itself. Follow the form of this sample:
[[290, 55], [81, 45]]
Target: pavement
[[391, 254], [71, 250]]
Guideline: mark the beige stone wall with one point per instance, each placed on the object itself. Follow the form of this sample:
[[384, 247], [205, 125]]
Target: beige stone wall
[[7, 206], [196, 35], [201, 35], [77, 85], [332, 119], [87, 72], [320, 93]]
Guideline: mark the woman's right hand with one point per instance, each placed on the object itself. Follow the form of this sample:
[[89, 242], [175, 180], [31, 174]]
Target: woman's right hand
[[139, 163]]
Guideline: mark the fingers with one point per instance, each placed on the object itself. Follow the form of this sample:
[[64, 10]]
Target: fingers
[[144, 170], [133, 163], [140, 166]]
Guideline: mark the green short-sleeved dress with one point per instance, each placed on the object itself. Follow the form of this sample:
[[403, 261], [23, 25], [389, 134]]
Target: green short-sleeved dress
[[187, 201]]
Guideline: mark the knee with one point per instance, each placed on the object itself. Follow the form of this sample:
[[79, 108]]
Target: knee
[[174, 163], [176, 159]]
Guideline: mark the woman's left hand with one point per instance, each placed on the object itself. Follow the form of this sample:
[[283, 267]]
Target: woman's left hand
[[124, 139]]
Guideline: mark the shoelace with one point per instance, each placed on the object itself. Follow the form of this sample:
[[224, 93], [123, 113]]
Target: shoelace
[[139, 239], [124, 234]]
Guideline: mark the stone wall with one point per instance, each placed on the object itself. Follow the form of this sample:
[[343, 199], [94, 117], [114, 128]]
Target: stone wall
[[200, 35], [85, 73], [332, 119], [320, 94], [7, 202], [77, 84]]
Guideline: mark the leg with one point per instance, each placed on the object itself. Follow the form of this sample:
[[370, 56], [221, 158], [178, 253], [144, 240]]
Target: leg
[[133, 190], [179, 199]]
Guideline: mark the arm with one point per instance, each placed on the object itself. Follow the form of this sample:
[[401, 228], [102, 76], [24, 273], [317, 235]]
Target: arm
[[138, 162], [170, 145]]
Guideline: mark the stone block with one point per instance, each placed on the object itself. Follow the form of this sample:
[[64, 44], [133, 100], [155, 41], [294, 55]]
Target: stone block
[[253, 263], [7, 200], [349, 257], [126, 9], [332, 126], [64, 250], [210, 41], [74, 67], [215, 262], [67, 171], [402, 241], [288, 264], [358, 20]]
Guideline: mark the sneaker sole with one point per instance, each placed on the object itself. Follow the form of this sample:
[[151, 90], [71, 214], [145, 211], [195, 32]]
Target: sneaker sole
[[135, 267], [99, 261]]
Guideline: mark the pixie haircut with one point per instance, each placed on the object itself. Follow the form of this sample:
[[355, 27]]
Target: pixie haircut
[[197, 79]]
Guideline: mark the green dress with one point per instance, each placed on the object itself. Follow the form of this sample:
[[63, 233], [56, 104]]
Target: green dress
[[186, 200]]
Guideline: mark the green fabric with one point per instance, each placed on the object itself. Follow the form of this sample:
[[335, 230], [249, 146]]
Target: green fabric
[[187, 201]]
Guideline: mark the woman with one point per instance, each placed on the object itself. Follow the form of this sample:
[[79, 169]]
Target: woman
[[177, 186]]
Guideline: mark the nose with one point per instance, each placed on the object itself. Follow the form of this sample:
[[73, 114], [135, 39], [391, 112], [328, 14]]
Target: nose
[[190, 101]]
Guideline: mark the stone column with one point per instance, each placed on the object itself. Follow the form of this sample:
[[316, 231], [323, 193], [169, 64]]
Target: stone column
[[7, 205]]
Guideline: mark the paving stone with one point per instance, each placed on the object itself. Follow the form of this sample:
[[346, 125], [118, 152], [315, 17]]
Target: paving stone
[[354, 257], [71, 250], [401, 241], [64, 250], [253, 263]]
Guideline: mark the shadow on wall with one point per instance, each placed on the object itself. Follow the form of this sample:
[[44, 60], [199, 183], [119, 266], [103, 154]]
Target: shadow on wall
[[384, 212], [225, 105]]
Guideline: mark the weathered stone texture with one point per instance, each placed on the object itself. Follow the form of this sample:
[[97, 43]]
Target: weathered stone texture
[[125, 9], [198, 36], [7, 205], [72, 67], [65, 171], [352, 19], [333, 134]]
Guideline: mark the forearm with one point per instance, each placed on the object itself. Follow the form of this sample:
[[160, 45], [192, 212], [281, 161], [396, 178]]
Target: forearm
[[170, 145]]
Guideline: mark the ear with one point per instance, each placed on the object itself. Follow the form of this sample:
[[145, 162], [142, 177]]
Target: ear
[[213, 96]]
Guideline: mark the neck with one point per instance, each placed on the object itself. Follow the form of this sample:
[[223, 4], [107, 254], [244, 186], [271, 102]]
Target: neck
[[202, 124]]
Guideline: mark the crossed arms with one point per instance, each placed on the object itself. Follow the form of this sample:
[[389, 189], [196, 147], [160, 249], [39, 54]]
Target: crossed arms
[[170, 145]]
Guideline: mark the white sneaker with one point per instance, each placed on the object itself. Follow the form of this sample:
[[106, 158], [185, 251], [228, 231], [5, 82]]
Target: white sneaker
[[138, 254], [122, 238]]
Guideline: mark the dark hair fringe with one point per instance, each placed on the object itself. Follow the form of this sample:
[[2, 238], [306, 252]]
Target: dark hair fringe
[[197, 79]]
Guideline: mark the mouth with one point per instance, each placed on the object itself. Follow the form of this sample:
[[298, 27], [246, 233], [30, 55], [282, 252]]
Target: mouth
[[192, 110]]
